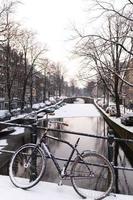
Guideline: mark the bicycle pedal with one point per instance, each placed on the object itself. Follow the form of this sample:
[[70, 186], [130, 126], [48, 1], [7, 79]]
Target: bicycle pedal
[[60, 183]]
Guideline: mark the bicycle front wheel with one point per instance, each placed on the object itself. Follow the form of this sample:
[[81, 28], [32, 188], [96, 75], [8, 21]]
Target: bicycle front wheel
[[27, 166], [92, 176]]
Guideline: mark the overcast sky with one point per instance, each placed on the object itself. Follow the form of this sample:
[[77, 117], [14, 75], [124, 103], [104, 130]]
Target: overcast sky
[[53, 20]]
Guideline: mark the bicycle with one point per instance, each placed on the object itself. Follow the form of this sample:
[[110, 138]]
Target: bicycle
[[91, 174]]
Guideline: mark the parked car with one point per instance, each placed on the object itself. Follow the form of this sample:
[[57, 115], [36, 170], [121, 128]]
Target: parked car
[[16, 111], [52, 100], [36, 106], [47, 103], [5, 115], [42, 105], [111, 110], [127, 119]]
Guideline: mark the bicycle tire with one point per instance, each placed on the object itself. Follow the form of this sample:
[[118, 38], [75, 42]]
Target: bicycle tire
[[27, 166], [92, 176]]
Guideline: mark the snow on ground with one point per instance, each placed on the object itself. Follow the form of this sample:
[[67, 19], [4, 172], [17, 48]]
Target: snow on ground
[[77, 110], [44, 191], [2, 143], [18, 130]]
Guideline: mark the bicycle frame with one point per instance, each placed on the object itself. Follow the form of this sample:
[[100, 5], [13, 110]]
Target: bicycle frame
[[62, 172]]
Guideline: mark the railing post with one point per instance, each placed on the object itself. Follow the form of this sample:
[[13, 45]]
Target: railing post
[[33, 174], [34, 133], [110, 145], [45, 123], [113, 150], [116, 164]]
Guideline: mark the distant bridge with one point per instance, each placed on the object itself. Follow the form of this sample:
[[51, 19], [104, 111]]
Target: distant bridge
[[72, 99]]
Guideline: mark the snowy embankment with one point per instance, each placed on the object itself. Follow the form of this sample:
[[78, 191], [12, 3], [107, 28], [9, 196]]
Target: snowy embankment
[[116, 120], [44, 191]]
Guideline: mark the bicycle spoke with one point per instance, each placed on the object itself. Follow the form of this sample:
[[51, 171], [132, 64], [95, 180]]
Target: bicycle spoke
[[92, 176], [27, 166]]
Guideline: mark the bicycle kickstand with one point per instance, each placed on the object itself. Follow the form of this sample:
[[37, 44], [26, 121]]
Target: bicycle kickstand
[[60, 182]]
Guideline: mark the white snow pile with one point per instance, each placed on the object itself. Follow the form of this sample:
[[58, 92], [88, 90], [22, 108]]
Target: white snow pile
[[44, 191]]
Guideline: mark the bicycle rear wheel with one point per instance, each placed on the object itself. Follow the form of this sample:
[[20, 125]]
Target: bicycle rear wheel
[[92, 176], [27, 166]]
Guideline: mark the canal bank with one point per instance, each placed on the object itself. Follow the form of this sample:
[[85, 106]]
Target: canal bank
[[121, 131]]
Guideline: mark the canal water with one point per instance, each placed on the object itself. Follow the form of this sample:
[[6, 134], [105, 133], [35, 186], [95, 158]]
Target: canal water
[[92, 125]]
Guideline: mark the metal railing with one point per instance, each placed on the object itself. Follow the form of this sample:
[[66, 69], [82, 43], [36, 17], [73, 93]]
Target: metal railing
[[111, 139]]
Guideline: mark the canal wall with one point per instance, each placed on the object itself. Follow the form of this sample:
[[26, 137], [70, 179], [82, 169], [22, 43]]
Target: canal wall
[[120, 131]]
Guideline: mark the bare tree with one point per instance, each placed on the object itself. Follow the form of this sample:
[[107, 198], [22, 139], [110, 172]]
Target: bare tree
[[59, 78], [8, 30], [108, 7], [32, 53], [103, 54]]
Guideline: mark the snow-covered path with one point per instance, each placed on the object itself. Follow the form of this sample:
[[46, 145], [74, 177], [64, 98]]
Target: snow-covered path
[[44, 191]]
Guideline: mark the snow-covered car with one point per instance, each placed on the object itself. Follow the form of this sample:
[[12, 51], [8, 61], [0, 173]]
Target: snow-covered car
[[111, 110], [42, 105], [5, 115], [16, 111], [47, 103], [52, 100], [127, 119], [36, 106]]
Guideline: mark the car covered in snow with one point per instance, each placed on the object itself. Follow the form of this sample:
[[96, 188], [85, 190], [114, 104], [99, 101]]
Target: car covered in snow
[[36, 106], [47, 103], [52, 100], [42, 105], [5, 115], [127, 119], [111, 110]]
